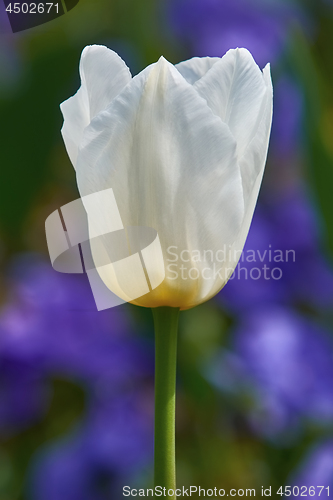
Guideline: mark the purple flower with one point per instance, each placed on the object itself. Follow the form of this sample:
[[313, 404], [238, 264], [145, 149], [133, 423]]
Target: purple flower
[[211, 27], [24, 393], [108, 450], [51, 326], [315, 470], [282, 262], [52, 319], [255, 282], [308, 279], [287, 123], [285, 362]]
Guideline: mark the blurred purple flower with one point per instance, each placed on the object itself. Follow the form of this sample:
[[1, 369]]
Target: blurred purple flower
[[284, 238], [50, 326], [52, 320], [23, 393], [252, 284], [308, 280], [286, 362], [288, 116], [316, 469], [211, 27], [108, 449]]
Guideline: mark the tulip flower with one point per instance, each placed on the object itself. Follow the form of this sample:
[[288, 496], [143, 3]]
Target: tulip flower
[[184, 149]]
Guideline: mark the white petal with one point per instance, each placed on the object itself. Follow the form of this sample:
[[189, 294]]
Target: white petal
[[234, 89], [252, 166], [172, 165], [253, 160], [195, 68], [103, 75], [252, 169]]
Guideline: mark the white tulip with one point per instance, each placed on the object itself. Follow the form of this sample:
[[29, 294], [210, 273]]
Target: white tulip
[[184, 149]]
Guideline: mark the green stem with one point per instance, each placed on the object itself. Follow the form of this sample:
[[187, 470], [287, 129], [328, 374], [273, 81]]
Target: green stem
[[166, 329]]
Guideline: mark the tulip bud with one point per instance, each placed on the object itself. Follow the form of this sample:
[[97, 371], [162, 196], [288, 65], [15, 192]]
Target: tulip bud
[[183, 148]]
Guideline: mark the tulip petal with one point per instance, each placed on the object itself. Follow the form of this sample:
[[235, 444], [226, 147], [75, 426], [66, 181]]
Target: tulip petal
[[253, 161], [252, 166], [234, 89], [103, 75], [172, 165], [195, 68]]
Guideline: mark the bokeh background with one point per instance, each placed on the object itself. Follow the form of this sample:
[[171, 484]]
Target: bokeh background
[[255, 365]]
